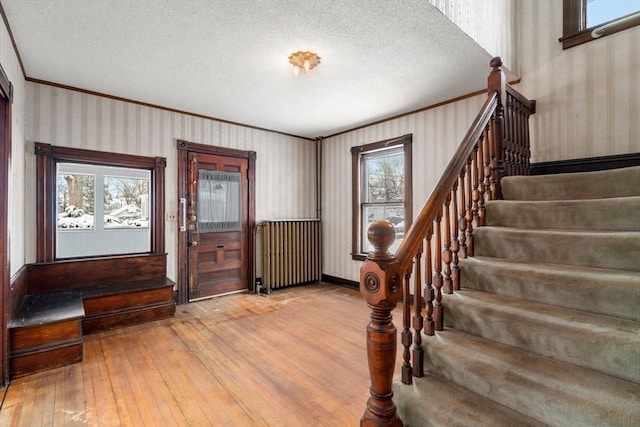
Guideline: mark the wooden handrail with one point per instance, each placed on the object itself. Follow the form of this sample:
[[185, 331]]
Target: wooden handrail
[[497, 144], [412, 241]]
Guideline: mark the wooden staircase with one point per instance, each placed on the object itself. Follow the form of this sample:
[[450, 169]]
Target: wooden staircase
[[515, 312], [545, 329]]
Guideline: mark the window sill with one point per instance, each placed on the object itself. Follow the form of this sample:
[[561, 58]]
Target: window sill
[[608, 28], [359, 257]]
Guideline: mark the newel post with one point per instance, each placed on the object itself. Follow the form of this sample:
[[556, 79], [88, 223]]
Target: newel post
[[496, 82], [381, 286]]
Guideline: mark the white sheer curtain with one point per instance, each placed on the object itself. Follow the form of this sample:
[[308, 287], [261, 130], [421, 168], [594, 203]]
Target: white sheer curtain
[[218, 201]]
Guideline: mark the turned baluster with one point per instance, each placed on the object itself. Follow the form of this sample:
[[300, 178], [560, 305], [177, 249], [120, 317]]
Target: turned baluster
[[455, 243], [486, 173], [492, 158], [437, 275], [527, 142], [508, 134], [418, 322], [480, 171], [514, 118], [497, 84], [522, 138], [446, 250], [462, 221], [405, 336], [381, 286], [468, 216], [429, 294], [493, 177], [499, 170], [475, 193], [511, 140]]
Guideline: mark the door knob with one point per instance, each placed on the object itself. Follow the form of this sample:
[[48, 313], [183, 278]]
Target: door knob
[[194, 243]]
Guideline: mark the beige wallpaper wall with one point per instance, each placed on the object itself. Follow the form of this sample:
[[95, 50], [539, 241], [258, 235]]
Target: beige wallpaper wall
[[588, 96], [11, 66], [588, 105], [436, 135], [285, 166], [488, 22]]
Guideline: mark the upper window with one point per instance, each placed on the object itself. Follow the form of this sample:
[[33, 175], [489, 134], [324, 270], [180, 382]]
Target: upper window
[[381, 190], [586, 20]]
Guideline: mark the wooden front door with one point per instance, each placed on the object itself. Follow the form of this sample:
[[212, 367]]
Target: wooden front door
[[217, 225]]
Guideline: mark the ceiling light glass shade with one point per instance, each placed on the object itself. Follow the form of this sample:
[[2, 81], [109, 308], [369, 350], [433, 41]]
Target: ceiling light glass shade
[[305, 61]]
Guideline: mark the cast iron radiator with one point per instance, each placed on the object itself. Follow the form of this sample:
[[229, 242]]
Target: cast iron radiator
[[290, 253]]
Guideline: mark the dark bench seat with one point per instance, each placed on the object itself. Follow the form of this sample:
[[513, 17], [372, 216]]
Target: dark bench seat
[[53, 304], [46, 332], [114, 306]]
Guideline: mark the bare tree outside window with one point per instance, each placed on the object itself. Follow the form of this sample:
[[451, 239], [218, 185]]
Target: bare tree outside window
[[381, 190], [126, 202], [386, 179], [383, 178], [76, 201]]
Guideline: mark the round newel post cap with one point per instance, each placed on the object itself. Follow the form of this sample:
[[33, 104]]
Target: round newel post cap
[[381, 235], [496, 62]]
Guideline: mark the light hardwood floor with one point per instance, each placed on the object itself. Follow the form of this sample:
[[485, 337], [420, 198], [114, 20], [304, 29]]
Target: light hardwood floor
[[294, 358]]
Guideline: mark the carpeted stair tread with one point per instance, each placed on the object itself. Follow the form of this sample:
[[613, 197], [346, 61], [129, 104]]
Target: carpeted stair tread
[[432, 401], [550, 391], [621, 182], [602, 249], [547, 323], [597, 290], [608, 344], [619, 213]]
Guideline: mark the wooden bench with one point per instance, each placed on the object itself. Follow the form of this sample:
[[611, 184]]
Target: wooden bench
[[61, 301], [46, 332], [114, 306]]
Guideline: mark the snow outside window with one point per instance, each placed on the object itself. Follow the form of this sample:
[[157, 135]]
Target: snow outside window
[[383, 192], [102, 210]]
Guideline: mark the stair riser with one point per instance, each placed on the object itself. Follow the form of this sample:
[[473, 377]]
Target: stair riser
[[608, 351], [619, 250], [593, 185], [433, 402], [619, 214], [612, 295], [540, 397]]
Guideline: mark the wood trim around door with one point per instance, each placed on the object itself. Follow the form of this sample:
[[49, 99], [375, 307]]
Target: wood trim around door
[[184, 148], [6, 98]]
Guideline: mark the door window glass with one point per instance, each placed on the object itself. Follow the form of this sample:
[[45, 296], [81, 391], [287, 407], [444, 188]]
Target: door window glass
[[218, 201]]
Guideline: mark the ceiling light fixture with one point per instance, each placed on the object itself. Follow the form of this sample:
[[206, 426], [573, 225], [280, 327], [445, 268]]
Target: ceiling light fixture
[[305, 61]]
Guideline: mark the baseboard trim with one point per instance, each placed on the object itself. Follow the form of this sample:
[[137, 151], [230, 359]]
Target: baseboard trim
[[340, 281], [588, 164]]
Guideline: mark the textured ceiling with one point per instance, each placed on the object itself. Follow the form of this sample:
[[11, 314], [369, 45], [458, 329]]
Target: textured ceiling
[[228, 59]]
